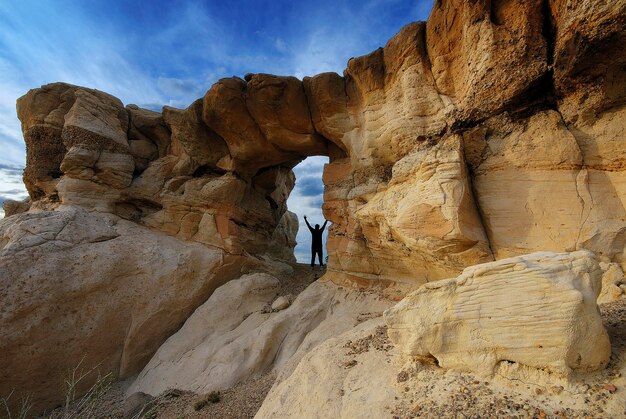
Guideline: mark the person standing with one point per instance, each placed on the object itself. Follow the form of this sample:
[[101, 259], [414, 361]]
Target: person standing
[[316, 242]]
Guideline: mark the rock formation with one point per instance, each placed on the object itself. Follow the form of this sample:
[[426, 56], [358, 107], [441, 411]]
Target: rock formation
[[233, 336], [537, 310], [91, 287], [493, 130]]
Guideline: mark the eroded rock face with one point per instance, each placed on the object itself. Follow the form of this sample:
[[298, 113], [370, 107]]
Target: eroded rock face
[[538, 310], [493, 130], [283, 239], [15, 207], [234, 335], [169, 171], [79, 285]]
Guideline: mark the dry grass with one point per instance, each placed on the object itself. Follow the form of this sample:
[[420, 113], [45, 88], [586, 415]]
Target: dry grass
[[23, 410], [86, 405]]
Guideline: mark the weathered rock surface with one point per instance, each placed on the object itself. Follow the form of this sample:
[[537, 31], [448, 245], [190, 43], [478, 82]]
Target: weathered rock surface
[[233, 336], [329, 384], [170, 172], [283, 240], [359, 374], [613, 283], [88, 286], [538, 310], [493, 130], [15, 207], [280, 303]]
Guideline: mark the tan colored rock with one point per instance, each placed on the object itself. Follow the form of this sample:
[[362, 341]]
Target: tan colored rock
[[199, 148], [486, 55], [329, 384], [148, 136], [358, 374], [184, 183], [531, 156], [96, 121], [538, 310], [15, 207], [493, 130], [42, 113], [588, 56], [280, 108], [396, 101], [528, 157], [280, 303], [326, 94], [283, 239], [264, 122], [424, 223], [533, 89], [86, 285], [232, 337], [612, 283]]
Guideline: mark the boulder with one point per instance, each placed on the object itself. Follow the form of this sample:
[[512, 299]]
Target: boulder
[[538, 310], [78, 285], [280, 303], [15, 207]]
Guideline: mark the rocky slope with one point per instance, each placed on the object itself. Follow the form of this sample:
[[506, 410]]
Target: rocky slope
[[493, 130]]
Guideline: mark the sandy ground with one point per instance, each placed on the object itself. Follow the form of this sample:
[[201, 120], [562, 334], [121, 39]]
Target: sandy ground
[[423, 389]]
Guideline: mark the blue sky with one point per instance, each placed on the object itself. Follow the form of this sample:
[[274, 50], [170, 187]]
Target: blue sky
[[155, 53]]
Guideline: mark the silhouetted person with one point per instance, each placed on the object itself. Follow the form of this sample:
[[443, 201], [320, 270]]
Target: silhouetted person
[[316, 242]]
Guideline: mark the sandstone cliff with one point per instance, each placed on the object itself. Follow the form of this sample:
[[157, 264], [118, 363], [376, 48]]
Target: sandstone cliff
[[495, 129]]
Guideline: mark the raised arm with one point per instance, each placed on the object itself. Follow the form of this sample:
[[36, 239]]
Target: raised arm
[[324, 225], [307, 223]]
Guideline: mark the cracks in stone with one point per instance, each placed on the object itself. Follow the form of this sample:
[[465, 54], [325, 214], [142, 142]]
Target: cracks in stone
[[308, 108], [461, 125], [548, 30], [540, 95], [479, 211], [588, 205], [493, 17], [582, 185]]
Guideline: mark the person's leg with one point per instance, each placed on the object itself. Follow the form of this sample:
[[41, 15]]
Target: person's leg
[[312, 258], [319, 256]]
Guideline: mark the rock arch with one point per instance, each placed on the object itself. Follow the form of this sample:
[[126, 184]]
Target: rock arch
[[479, 134]]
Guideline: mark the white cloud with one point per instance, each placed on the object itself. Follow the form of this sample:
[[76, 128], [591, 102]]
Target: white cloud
[[280, 45]]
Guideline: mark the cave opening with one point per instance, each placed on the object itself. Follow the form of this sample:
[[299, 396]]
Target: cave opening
[[307, 198]]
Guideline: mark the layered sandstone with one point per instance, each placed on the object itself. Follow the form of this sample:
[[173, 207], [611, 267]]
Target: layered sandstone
[[493, 130], [537, 310]]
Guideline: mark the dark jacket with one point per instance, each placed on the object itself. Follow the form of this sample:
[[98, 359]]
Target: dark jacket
[[316, 233]]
